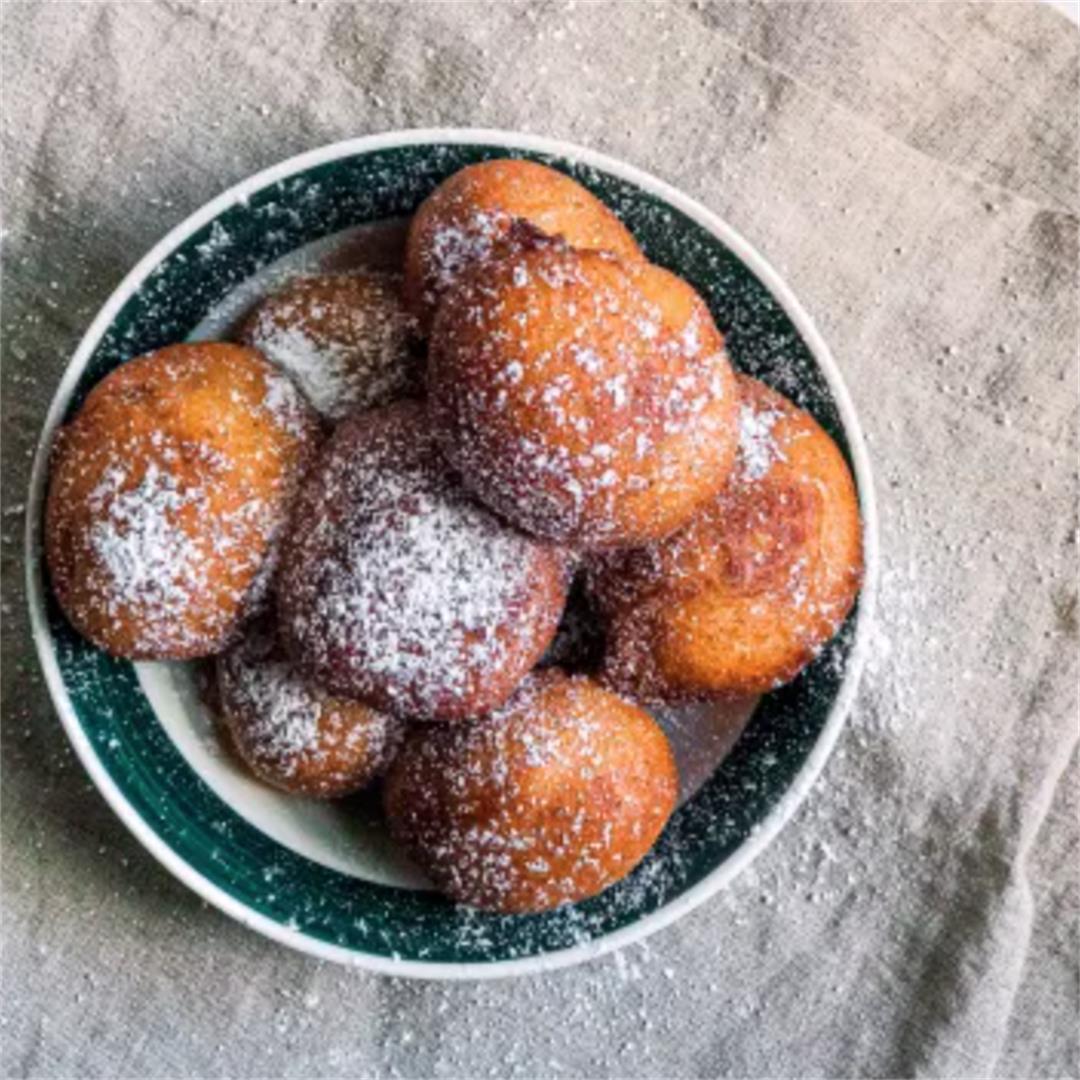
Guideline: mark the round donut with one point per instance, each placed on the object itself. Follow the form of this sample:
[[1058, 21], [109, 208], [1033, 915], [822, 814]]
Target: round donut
[[587, 404], [344, 338], [467, 215], [291, 733], [742, 598], [168, 492], [399, 590], [550, 800]]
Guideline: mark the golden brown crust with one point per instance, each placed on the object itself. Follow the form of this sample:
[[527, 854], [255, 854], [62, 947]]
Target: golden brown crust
[[586, 404], [742, 598], [343, 337], [398, 589], [551, 800], [292, 734], [466, 215], [167, 494]]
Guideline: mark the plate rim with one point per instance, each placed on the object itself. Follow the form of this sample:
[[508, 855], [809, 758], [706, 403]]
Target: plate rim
[[763, 833]]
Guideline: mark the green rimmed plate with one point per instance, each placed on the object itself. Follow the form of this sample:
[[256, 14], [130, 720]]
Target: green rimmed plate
[[322, 879]]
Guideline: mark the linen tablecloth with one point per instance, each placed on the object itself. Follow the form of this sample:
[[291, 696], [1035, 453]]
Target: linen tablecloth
[[911, 170]]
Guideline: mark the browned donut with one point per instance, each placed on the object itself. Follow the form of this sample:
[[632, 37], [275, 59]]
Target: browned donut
[[465, 216], [292, 734], [740, 600], [588, 405], [550, 800], [398, 589], [168, 491], [344, 338]]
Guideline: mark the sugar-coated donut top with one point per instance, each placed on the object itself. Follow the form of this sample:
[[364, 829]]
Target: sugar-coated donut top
[[795, 512], [464, 241], [343, 337], [552, 721], [758, 445], [461, 224], [766, 531], [740, 599], [394, 570], [289, 728], [578, 402], [167, 493], [549, 799], [280, 711]]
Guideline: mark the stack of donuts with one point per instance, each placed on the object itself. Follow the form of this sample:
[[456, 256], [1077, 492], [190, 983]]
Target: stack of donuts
[[369, 511]]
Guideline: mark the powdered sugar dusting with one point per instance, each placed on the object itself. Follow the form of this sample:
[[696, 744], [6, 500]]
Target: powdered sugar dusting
[[406, 582], [460, 244], [162, 531], [749, 592], [344, 338], [449, 568], [283, 713], [151, 563], [550, 799], [285, 404], [758, 449], [573, 404], [290, 731]]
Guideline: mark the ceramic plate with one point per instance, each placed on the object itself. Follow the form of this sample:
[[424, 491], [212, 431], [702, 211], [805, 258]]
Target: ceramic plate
[[323, 877]]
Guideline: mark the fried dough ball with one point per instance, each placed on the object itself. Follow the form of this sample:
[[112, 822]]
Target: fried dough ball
[[344, 338], [168, 492], [740, 600], [550, 800], [291, 733], [399, 590], [586, 404], [466, 216]]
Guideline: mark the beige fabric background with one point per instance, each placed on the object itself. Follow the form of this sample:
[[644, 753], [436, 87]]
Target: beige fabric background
[[912, 170]]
